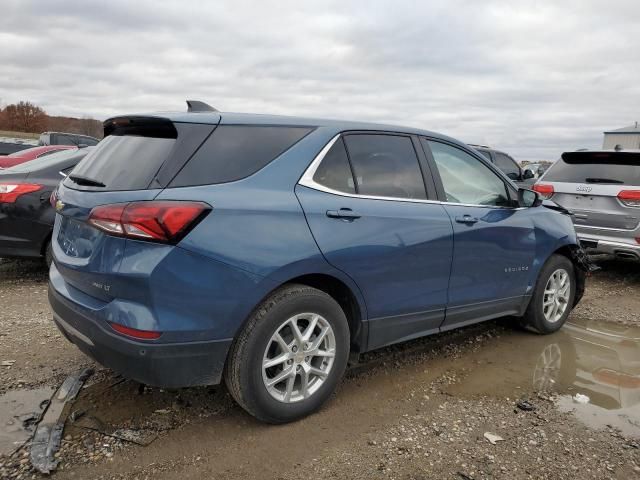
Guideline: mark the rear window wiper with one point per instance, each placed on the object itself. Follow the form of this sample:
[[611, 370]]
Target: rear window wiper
[[602, 180], [85, 181]]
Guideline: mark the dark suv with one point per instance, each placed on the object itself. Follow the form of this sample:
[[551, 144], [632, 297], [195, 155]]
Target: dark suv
[[191, 247], [508, 165]]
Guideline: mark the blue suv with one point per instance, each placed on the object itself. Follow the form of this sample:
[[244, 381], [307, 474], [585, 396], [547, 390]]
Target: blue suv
[[192, 247]]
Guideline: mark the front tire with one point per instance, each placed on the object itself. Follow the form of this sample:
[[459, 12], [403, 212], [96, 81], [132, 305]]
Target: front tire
[[553, 298], [290, 356]]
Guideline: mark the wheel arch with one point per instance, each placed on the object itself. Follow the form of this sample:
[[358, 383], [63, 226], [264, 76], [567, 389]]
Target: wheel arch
[[581, 264], [343, 290], [346, 298]]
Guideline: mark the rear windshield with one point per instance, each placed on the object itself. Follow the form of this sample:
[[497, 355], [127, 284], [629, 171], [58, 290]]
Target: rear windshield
[[233, 152], [596, 167], [124, 162]]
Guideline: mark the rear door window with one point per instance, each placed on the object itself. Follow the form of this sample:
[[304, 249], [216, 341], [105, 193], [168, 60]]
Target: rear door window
[[596, 167], [233, 152], [334, 171], [385, 166], [466, 179]]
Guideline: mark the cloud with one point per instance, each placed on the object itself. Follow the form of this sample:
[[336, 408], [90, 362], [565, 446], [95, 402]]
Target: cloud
[[531, 78]]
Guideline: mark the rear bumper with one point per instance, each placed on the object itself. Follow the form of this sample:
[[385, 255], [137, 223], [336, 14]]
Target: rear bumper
[[598, 244], [171, 365]]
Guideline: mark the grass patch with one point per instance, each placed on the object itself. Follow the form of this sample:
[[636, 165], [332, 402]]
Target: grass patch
[[31, 136]]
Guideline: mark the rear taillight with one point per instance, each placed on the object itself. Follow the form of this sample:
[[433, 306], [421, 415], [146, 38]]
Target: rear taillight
[[135, 333], [158, 221], [630, 198], [9, 192], [545, 190]]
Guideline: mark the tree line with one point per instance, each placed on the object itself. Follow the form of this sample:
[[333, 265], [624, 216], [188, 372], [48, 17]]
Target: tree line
[[30, 118]]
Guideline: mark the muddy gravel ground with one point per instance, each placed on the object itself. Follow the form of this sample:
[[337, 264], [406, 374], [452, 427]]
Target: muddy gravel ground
[[560, 406]]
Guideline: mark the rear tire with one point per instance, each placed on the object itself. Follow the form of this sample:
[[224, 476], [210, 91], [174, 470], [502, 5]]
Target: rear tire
[[553, 297], [278, 374]]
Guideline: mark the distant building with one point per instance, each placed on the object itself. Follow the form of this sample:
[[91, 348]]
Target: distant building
[[626, 138]]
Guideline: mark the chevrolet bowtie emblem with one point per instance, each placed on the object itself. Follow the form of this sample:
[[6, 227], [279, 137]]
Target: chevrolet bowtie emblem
[[59, 205]]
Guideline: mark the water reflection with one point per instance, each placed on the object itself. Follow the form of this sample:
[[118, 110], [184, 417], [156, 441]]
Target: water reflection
[[598, 359], [19, 410], [602, 361]]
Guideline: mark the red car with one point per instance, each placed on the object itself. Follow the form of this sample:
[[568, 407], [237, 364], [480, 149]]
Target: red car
[[31, 154]]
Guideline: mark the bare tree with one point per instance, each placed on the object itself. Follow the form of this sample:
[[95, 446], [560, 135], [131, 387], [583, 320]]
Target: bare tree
[[23, 117]]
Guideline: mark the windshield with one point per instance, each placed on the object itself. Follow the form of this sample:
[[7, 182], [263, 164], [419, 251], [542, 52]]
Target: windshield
[[596, 167]]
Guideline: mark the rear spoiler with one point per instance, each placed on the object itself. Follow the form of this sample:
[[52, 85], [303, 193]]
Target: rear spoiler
[[156, 127], [620, 157]]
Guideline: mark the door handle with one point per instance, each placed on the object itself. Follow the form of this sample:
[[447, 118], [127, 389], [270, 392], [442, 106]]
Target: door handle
[[467, 219], [343, 213]]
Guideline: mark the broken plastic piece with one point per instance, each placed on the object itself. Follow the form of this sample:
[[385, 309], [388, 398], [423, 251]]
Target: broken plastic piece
[[48, 434], [493, 438]]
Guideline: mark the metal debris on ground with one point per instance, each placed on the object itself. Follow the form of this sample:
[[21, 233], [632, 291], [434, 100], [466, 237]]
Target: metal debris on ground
[[140, 437], [526, 406], [493, 438], [7, 363], [48, 434]]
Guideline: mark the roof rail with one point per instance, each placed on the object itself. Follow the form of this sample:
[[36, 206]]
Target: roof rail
[[198, 106], [477, 145]]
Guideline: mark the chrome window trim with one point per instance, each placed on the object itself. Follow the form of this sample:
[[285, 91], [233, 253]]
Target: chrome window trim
[[307, 181]]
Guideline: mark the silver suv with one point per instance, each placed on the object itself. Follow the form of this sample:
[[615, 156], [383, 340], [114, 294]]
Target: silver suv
[[602, 191]]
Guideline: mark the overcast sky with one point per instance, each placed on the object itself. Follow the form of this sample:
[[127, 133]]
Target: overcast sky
[[533, 78]]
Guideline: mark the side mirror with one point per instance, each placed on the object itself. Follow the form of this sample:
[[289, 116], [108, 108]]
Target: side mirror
[[528, 174], [528, 198], [513, 176]]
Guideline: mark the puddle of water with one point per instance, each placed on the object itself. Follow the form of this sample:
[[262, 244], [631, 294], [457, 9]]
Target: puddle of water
[[598, 359], [18, 410]]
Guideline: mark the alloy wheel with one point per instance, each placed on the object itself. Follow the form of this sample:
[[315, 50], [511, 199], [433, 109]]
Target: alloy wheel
[[299, 357], [556, 295]]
